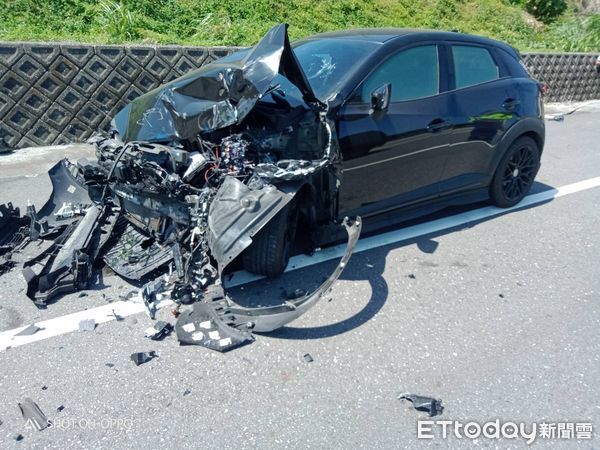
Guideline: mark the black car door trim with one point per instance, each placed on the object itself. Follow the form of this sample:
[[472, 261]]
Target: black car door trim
[[362, 166], [446, 69]]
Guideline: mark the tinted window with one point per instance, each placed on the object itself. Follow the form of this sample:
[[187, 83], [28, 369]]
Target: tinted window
[[412, 72], [473, 65]]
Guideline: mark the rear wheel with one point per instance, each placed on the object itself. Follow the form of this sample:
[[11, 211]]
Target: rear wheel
[[515, 173], [270, 250]]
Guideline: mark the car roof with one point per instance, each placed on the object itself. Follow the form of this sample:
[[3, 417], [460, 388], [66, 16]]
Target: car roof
[[383, 35], [379, 35]]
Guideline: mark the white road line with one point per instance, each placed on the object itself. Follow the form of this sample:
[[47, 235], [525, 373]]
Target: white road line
[[70, 322]]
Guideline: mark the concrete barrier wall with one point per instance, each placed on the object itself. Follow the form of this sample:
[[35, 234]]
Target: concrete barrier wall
[[570, 76], [62, 93]]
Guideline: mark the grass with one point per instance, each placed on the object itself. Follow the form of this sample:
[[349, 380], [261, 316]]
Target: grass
[[243, 22]]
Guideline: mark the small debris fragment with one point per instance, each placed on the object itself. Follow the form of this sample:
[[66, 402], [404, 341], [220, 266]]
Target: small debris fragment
[[159, 331], [87, 325], [143, 357], [308, 358], [203, 326], [31, 329], [117, 317], [33, 415], [187, 392], [429, 405], [369, 265], [412, 276]]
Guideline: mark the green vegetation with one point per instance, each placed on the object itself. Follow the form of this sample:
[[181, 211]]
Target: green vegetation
[[545, 10], [243, 22]]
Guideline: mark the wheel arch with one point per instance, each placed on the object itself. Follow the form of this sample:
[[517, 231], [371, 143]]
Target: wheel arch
[[539, 140], [532, 127]]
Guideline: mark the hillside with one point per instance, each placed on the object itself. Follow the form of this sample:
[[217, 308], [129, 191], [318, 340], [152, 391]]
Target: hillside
[[243, 22]]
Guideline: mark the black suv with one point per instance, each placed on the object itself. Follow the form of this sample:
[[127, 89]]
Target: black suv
[[227, 162], [232, 161], [359, 122]]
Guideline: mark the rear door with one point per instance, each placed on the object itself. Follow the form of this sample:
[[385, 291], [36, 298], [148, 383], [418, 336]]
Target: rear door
[[483, 104], [396, 156]]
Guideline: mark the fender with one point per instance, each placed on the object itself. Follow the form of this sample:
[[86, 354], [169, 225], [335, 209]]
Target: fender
[[237, 213], [528, 125]]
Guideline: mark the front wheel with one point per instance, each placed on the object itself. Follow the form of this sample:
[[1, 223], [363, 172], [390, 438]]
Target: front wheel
[[270, 250], [515, 173]]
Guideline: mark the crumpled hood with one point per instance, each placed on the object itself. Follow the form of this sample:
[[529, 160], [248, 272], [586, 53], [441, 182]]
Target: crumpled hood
[[215, 96]]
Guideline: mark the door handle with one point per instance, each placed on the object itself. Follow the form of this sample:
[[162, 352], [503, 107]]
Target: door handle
[[510, 104], [437, 125]]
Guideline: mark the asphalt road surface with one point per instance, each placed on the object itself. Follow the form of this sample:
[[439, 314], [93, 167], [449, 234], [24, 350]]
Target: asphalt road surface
[[499, 318]]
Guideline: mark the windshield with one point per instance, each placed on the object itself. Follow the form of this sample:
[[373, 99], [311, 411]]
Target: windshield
[[328, 62]]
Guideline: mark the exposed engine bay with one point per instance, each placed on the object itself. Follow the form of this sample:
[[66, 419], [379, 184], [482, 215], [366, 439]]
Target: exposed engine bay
[[189, 175]]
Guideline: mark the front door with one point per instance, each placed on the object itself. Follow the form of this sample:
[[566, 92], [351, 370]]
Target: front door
[[395, 156]]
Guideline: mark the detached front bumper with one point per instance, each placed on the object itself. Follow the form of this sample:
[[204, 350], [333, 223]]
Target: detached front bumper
[[218, 323]]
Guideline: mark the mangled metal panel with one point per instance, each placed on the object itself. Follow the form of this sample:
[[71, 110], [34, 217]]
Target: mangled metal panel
[[193, 173], [14, 234], [67, 203], [135, 254], [237, 213], [218, 323], [270, 318], [214, 96], [66, 265]]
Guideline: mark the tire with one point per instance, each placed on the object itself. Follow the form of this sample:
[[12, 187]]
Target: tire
[[515, 173], [269, 252]]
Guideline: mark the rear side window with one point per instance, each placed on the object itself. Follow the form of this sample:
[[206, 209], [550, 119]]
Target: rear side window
[[413, 73], [473, 65]]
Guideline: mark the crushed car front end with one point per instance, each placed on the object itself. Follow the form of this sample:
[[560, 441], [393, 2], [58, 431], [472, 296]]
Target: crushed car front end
[[192, 175]]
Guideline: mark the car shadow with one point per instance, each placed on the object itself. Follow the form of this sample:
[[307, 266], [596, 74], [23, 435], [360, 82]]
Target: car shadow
[[365, 266]]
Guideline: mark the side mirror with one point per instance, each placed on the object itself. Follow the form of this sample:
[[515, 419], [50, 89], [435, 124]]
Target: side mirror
[[380, 97]]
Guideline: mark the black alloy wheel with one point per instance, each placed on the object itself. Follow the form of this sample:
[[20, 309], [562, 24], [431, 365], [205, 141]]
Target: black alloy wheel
[[516, 173]]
